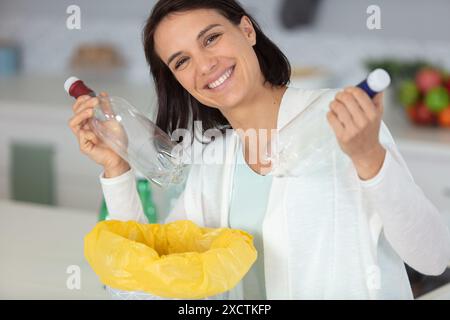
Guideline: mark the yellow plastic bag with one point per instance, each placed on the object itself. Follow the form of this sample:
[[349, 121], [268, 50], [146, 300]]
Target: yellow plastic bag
[[174, 260]]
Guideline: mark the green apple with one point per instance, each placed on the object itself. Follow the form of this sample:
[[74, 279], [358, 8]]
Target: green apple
[[408, 93], [437, 99]]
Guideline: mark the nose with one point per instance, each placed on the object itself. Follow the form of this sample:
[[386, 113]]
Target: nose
[[206, 64]]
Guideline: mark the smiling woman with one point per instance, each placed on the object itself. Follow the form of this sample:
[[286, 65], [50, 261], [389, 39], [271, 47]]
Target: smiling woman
[[343, 231], [207, 57]]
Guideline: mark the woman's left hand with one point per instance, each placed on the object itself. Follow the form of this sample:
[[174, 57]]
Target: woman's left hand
[[355, 120]]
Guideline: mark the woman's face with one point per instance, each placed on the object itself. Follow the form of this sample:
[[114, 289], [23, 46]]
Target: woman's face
[[212, 59]]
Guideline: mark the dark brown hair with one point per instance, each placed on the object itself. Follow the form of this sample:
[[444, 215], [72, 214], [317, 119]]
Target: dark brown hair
[[176, 107]]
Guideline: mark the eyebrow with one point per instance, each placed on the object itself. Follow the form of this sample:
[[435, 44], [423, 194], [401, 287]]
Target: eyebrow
[[200, 34]]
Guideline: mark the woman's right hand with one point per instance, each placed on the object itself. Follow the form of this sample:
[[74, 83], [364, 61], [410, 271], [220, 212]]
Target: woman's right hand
[[89, 143]]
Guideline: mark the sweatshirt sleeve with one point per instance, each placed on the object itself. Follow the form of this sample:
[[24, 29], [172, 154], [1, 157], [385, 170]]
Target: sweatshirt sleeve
[[122, 198], [124, 204], [412, 224]]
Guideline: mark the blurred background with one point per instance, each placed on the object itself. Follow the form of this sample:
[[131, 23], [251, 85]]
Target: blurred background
[[50, 194]]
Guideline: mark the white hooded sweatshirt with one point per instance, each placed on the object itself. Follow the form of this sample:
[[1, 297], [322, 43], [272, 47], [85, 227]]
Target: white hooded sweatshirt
[[326, 235]]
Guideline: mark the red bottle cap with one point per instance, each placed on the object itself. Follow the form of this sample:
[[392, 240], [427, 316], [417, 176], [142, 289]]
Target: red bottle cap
[[75, 88]]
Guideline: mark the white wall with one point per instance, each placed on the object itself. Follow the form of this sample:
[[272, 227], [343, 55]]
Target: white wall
[[338, 40]]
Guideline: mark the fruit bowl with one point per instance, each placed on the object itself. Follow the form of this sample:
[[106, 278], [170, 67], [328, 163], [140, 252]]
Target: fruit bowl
[[426, 97]]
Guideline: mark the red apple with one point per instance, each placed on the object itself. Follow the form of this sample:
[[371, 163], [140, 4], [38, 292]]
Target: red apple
[[411, 111], [447, 84], [421, 115], [428, 78]]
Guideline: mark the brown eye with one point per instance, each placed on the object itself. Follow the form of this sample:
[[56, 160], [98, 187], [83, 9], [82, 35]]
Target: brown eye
[[211, 39], [180, 62]]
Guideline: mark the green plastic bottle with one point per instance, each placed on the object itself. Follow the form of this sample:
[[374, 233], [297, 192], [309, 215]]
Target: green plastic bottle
[[103, 214], [145, 194]]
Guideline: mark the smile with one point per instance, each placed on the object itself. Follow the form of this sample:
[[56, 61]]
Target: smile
[[222, 79]]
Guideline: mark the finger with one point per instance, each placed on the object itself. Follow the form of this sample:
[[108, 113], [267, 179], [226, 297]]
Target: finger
[[364, 101], [76, 121], [105, 103], [85, 125], [89, 103], [335, 124], [378, 101], [79, 101], [85, 142], [82, 141], [342, 114], [353, 107], [89, 135]]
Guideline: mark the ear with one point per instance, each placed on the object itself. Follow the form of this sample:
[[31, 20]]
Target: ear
[[247, 29]]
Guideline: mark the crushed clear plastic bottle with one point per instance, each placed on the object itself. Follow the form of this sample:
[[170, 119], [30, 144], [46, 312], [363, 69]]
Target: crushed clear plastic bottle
[[134, 137], [299, 146], [302, 145]]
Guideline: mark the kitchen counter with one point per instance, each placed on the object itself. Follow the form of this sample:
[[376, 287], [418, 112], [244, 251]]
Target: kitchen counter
[[37, 246], [407, 134]]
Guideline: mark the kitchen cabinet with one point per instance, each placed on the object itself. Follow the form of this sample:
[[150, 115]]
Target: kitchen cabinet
[[76, 177]]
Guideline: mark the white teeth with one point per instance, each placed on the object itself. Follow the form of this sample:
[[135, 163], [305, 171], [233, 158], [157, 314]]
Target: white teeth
[[221, 80]]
